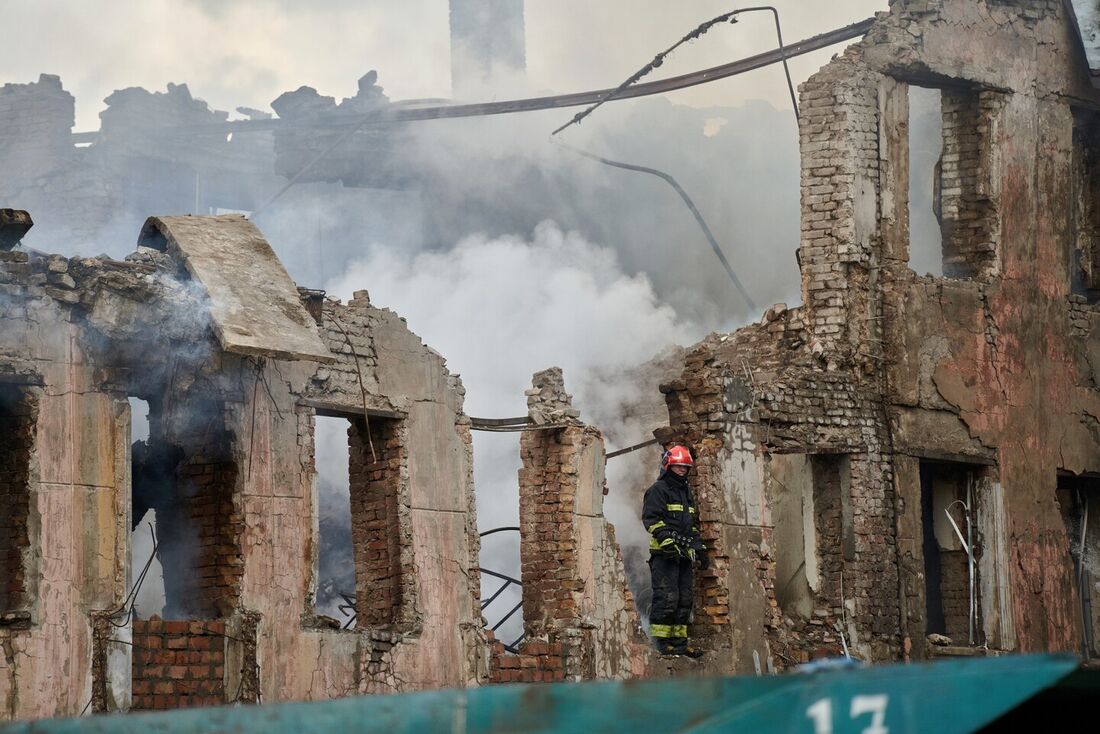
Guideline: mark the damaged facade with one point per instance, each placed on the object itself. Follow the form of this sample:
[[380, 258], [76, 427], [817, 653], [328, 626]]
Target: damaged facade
[[904, 457], [909, 455], [203, 324]]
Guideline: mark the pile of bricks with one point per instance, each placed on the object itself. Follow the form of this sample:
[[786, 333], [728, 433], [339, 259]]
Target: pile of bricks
[[17, 421], [178, 664]]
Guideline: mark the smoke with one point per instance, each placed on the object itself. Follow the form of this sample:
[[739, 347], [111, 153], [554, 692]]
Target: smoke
[[508, 254], [336, 569], [503, 308]]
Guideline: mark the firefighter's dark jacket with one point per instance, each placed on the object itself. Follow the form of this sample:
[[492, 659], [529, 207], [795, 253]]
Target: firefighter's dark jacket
[[669, 511]]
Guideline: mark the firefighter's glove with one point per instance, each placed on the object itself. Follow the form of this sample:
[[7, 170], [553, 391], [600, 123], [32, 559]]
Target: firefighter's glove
[[699, 551], [684, 546]]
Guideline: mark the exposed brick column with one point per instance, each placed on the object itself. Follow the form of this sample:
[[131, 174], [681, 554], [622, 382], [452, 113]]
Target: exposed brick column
[[547, 490], [576, 604], [840, 171], [200, 527]]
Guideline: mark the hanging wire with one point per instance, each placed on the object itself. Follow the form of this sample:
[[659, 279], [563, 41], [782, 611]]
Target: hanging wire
[[698, 31], [667, 178]]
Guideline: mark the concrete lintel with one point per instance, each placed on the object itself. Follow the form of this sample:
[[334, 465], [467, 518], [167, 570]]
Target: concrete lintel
[[936, 455], [333, 409]]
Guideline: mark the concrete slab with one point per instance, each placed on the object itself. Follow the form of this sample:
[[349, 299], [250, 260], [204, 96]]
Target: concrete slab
[[253, 302]]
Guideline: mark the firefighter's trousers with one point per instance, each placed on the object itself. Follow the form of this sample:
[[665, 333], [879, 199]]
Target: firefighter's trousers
[[670, 610]]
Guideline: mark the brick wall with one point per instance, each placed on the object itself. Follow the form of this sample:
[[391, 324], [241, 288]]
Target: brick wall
[[546, 505], [575, 596], [955, 595], [200, 529], [1080, 312], [375, 520], [178, 664], [968, 217], [536, 661], [840, 148], [17, 428]]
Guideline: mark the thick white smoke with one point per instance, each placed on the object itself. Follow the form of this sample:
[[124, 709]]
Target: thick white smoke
[[501, 309]]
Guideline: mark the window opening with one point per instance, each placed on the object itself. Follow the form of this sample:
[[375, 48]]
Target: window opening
[[795, 534], [145, 568], [832, 509], [183, 478], [336, 590], [374, 461], [951, 216], [925, 152]]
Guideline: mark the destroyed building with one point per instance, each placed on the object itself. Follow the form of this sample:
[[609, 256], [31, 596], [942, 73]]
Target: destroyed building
[[905, 466], [907, 455], [203, 323]]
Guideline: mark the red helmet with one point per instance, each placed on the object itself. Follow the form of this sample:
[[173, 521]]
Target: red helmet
[[676, 455]]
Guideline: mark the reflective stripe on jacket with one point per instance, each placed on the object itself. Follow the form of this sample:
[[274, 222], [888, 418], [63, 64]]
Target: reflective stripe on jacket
[[668, 510]]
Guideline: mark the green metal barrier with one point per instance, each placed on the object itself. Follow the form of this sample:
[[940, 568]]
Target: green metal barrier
[[943, 697]]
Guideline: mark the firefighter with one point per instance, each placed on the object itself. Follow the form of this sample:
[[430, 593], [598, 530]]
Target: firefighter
[[675, 545]]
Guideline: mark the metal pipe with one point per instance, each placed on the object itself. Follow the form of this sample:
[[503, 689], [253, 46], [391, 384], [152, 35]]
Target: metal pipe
[[485, 603], [1081, 590], [506, 616], [498, 530], [820, 41], [967, 545], [500, 576], [628, 449], [667, 178], [659, 59], [1084, 531]]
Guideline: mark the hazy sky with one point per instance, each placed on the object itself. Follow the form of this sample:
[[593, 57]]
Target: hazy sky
[[246, 52]]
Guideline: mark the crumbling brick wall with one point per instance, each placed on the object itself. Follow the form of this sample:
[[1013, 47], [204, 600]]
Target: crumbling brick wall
[[839, 144], [178, 664], [579, 616], [546, 515], [237, 529], [375, 521], [18, 413]]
